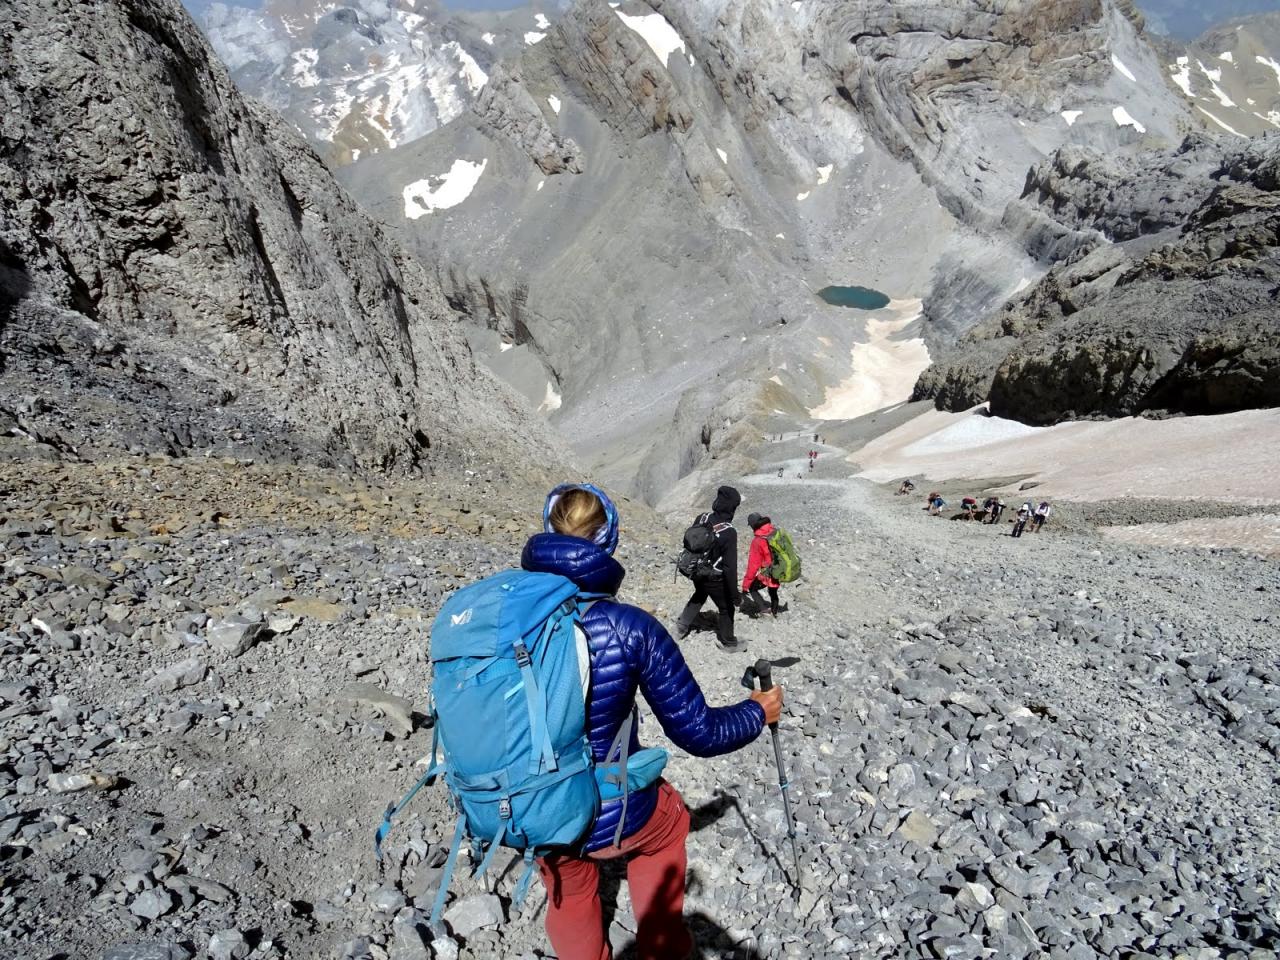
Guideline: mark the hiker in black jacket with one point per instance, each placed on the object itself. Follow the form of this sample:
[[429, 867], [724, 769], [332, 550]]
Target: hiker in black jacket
[[722, 589]]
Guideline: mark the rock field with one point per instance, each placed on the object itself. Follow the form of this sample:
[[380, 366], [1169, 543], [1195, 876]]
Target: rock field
[[212, 676]]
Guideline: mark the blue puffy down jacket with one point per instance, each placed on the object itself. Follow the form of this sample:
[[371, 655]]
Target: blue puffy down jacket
[[631, 651]]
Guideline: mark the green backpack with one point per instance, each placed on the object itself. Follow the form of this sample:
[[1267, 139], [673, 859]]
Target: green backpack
[[786, 562]]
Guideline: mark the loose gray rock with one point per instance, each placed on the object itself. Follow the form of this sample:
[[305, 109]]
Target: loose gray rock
[[152, 950], [152, 904], [235, 635], [185, 673], [228, 945], [474, 913]]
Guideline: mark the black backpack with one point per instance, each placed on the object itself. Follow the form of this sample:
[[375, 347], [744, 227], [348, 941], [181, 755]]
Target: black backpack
[[697, 560]]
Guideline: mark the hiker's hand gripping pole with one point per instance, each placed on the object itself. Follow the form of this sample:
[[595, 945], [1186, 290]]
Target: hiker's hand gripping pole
[[763, 671]]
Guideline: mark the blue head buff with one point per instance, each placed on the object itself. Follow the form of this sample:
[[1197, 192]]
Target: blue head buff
[[607, 536]]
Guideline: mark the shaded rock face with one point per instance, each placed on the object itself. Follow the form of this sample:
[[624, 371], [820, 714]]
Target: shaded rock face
[[1180, 321], [1080, 196], [181, 273]]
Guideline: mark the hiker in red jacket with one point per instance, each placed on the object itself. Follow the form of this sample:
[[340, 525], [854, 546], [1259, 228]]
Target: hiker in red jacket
[[759, 560]]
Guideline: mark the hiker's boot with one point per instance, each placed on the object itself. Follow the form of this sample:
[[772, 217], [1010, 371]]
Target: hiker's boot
[[684, 623]]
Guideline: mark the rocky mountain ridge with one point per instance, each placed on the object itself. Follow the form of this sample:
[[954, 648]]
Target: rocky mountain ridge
[[181, 273], [1166, 303], [1231, 74], [671, 176], [362, 76]]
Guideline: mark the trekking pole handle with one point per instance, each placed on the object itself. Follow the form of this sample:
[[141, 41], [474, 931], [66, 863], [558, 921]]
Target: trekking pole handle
[[764, 670]]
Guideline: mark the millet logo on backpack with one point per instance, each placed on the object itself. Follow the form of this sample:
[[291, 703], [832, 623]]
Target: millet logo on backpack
[[458, 619]]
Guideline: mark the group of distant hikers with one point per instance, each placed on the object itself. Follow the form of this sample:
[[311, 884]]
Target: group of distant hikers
[[989, 513], [535, 723]]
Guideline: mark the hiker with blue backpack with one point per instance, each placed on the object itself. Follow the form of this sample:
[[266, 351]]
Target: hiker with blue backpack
[[534, 701]]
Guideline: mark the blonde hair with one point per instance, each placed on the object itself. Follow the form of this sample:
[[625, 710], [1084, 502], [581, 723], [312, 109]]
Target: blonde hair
[[578, 513]]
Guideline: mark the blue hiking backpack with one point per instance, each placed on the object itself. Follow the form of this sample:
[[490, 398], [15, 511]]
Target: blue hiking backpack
[[510, 719]]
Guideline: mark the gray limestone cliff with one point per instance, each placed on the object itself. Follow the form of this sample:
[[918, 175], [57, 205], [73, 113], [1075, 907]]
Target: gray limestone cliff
[[179, 272], [1172, 317]]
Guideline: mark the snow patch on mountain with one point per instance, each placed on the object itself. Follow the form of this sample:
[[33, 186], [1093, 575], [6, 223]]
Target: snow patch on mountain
[[551, 401], [654, 29], [1182, 74], [1123, 118], [1273, 64], [304, 68], [1222, 123], [1120, 66], [474, 77], [420, 197]]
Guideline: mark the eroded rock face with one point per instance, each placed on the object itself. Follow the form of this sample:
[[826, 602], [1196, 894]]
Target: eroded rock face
[[909, 68], [180, 272], [506, 109], [1180, 321], [629, 86]]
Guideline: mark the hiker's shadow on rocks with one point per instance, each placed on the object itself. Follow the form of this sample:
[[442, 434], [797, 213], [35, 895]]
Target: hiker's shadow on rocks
[[714, 809], [710, 939]]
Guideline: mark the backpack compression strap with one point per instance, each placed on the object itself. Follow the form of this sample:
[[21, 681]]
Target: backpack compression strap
[[434, 769], [535, 699], [621, 746]]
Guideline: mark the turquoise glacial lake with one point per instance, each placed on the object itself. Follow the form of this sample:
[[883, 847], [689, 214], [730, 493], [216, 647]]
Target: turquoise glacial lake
[[858, 298]]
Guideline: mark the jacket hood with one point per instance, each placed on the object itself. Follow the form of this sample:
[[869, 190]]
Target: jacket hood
[[764, 529], [726, 502], [606, 536], [587, 564]]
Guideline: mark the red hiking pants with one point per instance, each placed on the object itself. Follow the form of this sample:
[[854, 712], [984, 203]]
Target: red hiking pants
[[655, 876]]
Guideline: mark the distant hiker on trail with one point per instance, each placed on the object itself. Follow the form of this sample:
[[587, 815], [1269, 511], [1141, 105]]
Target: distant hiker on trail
[[626, 650], [906, 487], [1020, 523], [780, 469], [936, 503], [970, 507], [713, 569], [997, 510], [1041, 516], [759, 562], [815, 438]]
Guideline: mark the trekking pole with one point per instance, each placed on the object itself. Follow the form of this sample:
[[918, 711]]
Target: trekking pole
[[763, 671]]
